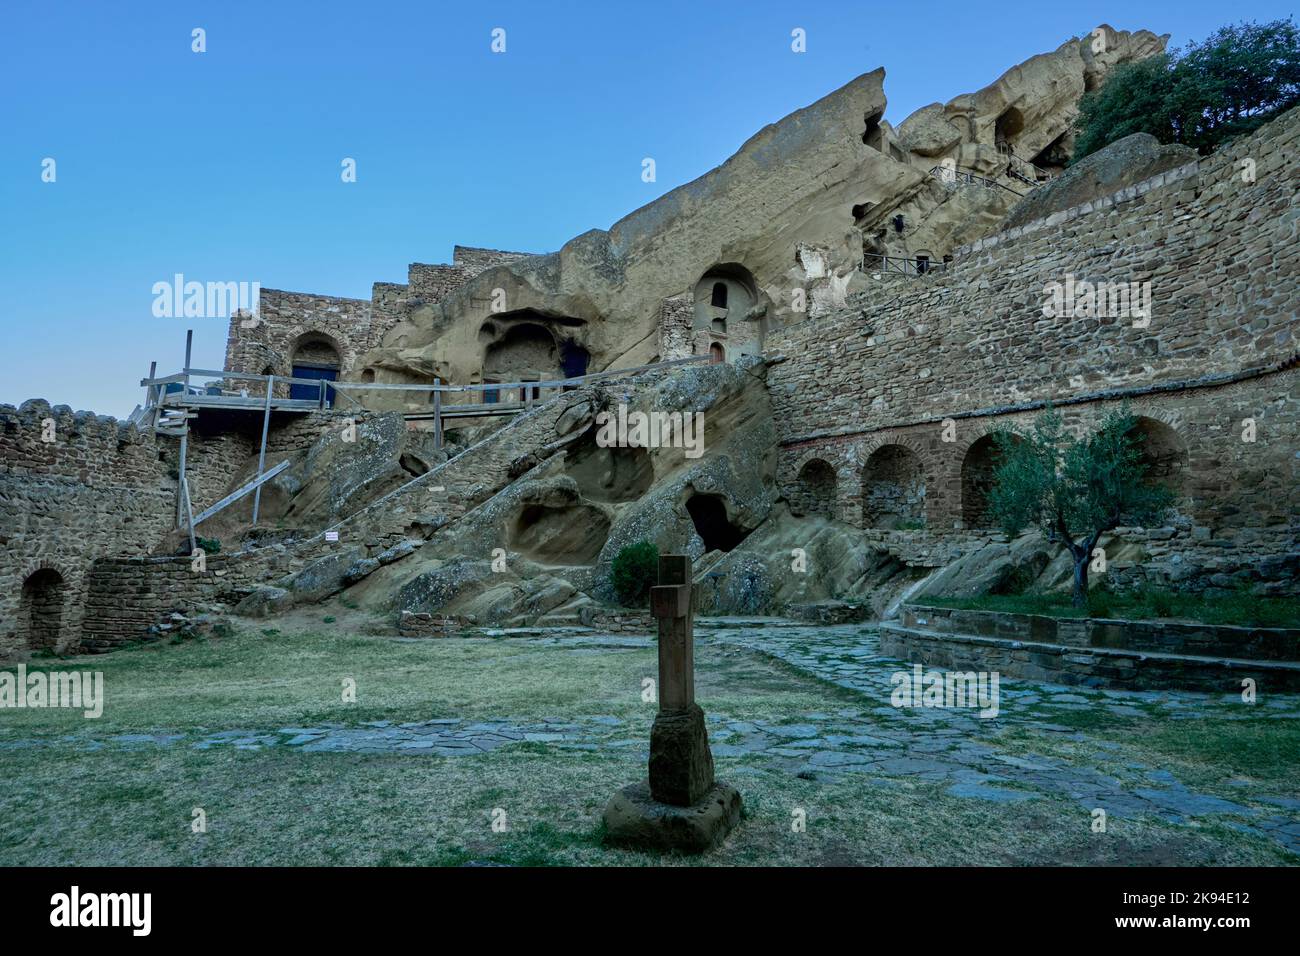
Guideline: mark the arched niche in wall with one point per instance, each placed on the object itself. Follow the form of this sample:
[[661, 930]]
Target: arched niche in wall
[[977, 471], [893, 489], [526, 352], [40, 609], [814, 490], [724, 295], [1163, 451]]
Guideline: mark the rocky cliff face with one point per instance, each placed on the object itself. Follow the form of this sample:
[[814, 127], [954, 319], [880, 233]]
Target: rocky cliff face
[[792, 213]]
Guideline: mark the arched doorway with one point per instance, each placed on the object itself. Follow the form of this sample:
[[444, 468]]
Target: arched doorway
[[40, 609], [315, 356], [893, 489], [717, 354], [814, 490]]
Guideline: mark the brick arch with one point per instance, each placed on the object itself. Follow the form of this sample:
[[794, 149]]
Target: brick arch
[[347, 353], [975, 466], [47, 564]]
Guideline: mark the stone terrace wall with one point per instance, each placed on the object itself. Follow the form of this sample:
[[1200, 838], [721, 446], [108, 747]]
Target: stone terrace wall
[[973, 346]]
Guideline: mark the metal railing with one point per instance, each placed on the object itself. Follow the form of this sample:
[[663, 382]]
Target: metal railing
[[900, 265], [952, 176]]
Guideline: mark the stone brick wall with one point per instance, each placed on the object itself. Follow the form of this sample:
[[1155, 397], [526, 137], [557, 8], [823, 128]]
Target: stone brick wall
[[105, 489], [352, 326], [285, 318], [933, 365], [676, 314], [1095, 653], [126, 595], [97, 488]]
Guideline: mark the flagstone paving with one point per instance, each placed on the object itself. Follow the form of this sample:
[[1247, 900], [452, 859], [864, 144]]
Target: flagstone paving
[[874, 741]]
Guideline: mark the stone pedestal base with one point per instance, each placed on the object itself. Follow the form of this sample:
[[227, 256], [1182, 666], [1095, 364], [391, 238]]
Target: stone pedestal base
[[681, 765], [636, 820]]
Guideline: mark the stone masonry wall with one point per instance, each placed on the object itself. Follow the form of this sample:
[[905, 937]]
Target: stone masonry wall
[[102, 489], [934, 365], [353, 326]]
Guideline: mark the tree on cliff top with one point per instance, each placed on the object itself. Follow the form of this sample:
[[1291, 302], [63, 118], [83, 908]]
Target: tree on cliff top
[[1074, 489], [1238, 79]]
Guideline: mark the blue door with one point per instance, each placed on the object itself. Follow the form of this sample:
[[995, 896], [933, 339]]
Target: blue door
[[311, 393]]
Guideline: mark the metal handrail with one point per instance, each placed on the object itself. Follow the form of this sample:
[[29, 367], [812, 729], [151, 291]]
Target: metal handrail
[[904, 266], [950, 175]]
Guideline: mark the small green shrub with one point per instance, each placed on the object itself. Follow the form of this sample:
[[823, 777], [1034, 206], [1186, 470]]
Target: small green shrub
[[208, 545], [328, 618], [635, 569]]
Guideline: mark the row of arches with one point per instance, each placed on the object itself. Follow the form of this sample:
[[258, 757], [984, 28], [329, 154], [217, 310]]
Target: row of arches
[[894, 480]]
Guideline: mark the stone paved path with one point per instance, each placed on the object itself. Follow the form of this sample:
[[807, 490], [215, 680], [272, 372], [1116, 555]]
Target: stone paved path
[[874, 740]]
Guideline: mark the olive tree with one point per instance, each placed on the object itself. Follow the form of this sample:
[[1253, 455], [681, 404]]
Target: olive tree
[[1074, 489]]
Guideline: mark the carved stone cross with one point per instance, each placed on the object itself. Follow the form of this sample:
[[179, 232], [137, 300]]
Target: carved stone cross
[[681, 764], [681, 807]]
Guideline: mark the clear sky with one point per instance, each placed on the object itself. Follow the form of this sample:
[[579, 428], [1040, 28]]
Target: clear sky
[[225, 165]]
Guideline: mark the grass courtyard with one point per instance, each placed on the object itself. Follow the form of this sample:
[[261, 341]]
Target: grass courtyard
[[253, 728]]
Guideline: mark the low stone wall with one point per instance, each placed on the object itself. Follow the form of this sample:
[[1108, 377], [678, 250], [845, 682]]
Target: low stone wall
[[124, 596], [621, 621], [830, 612], [423, 624], [1097, 652]]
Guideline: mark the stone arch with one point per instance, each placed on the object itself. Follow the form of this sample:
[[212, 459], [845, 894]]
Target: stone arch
[[42, 608], [814, 491], [717, 353], [977, 468], [893, 488], [1163, 451]]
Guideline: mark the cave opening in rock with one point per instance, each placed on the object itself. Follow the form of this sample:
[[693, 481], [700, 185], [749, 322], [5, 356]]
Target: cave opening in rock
[[709, 515], [872, 134], [608, 474], [560, 535]]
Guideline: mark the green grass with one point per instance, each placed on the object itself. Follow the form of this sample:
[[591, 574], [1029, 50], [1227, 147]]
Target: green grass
[[62, 803], [1241, 609]]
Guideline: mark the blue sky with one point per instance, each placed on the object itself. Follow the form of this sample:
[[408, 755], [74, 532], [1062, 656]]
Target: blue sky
[[225, 165]]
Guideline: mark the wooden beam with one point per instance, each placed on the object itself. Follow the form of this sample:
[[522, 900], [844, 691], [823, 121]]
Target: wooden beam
[[234, 496], [261, 452], [437, 417]]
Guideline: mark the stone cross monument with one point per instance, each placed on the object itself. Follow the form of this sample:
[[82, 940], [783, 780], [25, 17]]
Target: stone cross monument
[[680, 807]]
